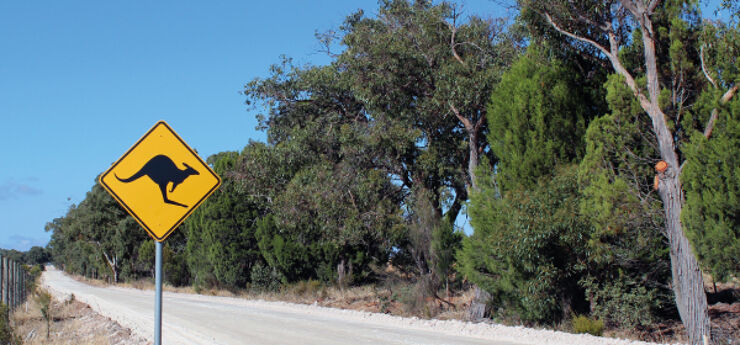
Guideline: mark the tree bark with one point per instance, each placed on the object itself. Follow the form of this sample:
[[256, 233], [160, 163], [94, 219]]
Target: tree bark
[[474, 150], [688, 283], [479, 305]]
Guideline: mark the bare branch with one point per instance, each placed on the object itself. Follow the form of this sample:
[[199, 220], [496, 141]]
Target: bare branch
[[612, 54], [704, 68], [574, 36], [715, 112], [479, 123], [652, 6], [453, 28], [632, 7], [463, 119]]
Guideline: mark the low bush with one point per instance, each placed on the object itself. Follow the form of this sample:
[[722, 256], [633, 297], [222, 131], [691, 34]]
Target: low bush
[[265, 278], [584, 324], [313, 288], [624, 305]]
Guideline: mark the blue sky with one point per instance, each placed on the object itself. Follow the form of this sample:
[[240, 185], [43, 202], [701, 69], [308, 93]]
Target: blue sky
[[81, 81]]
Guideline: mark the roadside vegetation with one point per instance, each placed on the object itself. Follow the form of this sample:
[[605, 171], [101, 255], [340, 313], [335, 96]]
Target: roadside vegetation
[[44, 320], [563, 137]]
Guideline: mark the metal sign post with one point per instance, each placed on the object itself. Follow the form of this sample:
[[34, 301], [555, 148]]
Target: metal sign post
[[158, 294]]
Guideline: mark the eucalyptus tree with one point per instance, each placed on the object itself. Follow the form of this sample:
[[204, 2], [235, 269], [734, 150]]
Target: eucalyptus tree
[[653, 46], [325, 191], [400, 108], [97, 236], [425, 77]]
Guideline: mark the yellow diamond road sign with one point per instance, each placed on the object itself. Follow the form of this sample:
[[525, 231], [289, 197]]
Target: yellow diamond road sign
[[160, 181]]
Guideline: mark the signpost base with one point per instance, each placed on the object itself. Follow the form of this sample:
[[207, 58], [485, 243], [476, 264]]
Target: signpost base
[[158, 294]]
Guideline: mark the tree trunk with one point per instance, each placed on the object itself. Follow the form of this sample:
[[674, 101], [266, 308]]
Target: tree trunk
[[479, 305], [473, 158], [473, 131], [688, 284], [340, 274]]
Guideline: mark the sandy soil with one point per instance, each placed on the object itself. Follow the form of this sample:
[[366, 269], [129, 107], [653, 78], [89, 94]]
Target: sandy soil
[[72, 322]]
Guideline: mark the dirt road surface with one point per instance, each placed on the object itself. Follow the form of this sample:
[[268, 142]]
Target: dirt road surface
[[198, 319]]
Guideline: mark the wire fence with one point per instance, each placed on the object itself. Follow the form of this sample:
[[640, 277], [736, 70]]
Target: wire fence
[[13, 280]]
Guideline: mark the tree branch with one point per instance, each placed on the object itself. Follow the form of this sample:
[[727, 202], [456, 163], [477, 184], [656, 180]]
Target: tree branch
[[652, 6], [704, 67], [479, 123], [468, 125], [612, 54], [715, 112], [453, 28], [574, 36]]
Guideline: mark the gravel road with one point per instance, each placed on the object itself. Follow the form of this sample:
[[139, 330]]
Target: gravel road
[[197, 319]]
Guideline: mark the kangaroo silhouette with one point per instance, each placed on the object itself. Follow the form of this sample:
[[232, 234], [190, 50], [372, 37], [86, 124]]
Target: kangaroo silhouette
[[162, 170]]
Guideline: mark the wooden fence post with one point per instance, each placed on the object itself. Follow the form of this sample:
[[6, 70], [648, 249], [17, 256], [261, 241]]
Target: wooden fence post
[[14, 286], [11, 286], [6, 282], [2, 280], [24, 288]]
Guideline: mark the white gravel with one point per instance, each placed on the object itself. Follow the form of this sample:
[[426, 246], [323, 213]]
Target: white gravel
[[198, 319]]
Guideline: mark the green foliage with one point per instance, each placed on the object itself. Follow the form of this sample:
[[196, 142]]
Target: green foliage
[[624, 304], [291, 259], [37, 256], [401, 66], [7, 336], [96, 238], [221, 247], [34, 272], [265, 278], [711, 180], [537, 118], [584, 324], [445, 244], [34, 256], [711, 177], [528, 249], [43, 298], [6, 332], [628, 255]]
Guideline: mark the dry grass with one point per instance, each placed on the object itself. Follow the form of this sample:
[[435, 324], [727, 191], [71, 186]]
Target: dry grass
[[72, 323], [371, 298]]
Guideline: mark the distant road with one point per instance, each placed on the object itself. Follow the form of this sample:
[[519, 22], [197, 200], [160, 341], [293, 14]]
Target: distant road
[[196, 319]]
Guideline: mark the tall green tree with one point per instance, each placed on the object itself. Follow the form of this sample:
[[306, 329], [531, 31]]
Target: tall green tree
[[401, 108], [527, 250], [537, 118], [652, 45], [629, 270], [221, 246], [329, 194], [425, 78], [97, 237], [711, 176]]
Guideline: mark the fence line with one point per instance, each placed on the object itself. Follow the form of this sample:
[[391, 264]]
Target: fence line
[[13, 280]]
